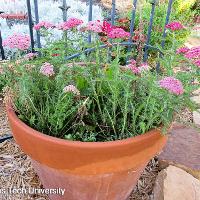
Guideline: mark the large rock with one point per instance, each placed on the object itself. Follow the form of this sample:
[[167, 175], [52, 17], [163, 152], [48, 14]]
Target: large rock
[[174, 183], [182, 150], [196, 114], [196, 117]]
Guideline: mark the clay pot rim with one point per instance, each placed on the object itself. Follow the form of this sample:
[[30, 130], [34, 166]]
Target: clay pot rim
[[92, 145]]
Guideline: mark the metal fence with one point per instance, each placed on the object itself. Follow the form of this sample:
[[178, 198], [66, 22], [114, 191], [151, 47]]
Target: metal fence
[[112, 17]]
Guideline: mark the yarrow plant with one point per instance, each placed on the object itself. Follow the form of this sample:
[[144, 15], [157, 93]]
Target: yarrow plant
[[72, 89], [47, 69], [192, 54], [175, 26], [96, 97], [44, 24], [118, 33], [70, 23], [172, 84], [17, 41], [30, 56]]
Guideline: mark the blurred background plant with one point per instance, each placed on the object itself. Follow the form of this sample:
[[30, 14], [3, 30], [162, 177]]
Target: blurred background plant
[[182, 11]]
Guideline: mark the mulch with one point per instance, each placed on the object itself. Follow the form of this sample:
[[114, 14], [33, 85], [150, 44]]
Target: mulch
[[16, 172]]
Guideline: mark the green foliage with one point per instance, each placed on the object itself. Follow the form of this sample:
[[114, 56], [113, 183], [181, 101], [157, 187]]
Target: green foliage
[[185, 18], [96, 100], [114, 103]]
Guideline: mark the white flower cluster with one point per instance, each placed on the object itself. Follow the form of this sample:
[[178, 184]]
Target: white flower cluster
[[45, 7]]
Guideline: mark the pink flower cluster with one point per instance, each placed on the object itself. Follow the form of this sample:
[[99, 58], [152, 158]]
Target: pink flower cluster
[[174, 26], [70, 23], [118, 33], [192, 54], [182, 50], [43, 24], [107, 29], [30, 56], [47, 69], [132, 66], [197, 63], [95, 26], [172, 85], [144, 67], [71, 88], [137, 70], [18, 41]]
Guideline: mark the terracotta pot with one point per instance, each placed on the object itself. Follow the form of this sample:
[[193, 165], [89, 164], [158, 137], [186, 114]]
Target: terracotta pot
[[14, 16], [87, 170]]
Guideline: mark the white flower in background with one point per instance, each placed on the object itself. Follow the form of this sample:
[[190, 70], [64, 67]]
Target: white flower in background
[[44, 6]]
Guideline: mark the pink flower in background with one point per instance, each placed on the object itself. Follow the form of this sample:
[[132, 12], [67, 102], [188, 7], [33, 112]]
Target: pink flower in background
[[132, 66], [95, 26], [70, 23], [107, 27], [18, 41], [47, 69], [55, 54], [193, 53], [43, 24], [197, 63], [71, 88], [174, 26], [172, 85], [132, 62], [182, 50], [144, 67], [30, 56], [118, 33]]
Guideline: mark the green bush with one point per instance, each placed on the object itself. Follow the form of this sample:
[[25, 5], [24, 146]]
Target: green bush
[[185, 18]]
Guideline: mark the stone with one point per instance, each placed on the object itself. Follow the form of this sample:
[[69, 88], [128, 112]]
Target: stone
[[197, 92], [121, 5], [196, 117], [182, 150], [196, 99], [174, 183]]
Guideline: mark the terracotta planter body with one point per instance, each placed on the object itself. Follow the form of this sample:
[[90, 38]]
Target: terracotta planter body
[[14, 16], [87, 170]]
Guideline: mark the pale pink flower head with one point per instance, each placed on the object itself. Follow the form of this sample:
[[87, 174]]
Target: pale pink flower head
[[193, 53], [72, 89], [30, 56], [1, 70], [47, 69], [17, 41], [182, 50], [134, 69], [197, 63], [118, 33], [44, 24], [174, 26], [132, 62], [172, 84], [69, 24], [132, 66], [144, 67], [95, 26]]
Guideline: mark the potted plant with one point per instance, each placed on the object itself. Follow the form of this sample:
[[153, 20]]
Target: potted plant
[[90, 128]]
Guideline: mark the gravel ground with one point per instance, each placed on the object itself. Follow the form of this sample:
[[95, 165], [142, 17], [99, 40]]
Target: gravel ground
[[16, 172]]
